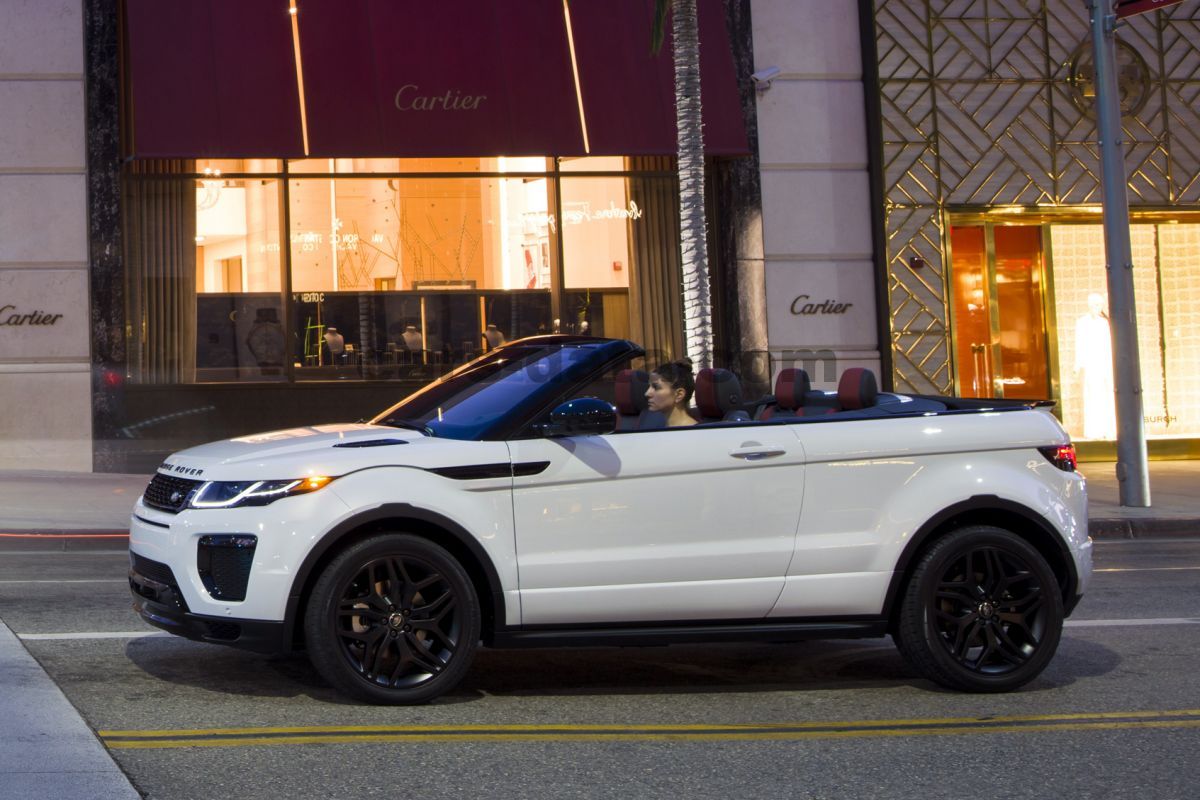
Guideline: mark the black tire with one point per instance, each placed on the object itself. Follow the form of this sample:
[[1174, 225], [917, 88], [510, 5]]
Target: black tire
[[982, 611], [393, 620]]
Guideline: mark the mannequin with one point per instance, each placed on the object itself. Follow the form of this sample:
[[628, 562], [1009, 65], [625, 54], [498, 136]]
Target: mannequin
[[1093, 368], [494, 336], [336, 344], [412, 338]]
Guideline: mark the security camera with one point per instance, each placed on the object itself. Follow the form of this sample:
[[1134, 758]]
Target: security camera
[[762, 79]]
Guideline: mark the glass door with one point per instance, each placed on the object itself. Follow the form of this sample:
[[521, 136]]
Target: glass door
[[999, 324]]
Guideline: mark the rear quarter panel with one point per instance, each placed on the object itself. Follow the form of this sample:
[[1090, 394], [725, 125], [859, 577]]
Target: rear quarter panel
[[871, 484]]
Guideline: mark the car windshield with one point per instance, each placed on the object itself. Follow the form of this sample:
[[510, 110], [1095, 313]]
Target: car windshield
[[475, 399]]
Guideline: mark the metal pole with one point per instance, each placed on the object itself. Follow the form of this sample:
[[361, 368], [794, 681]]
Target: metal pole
[[1133, 478]]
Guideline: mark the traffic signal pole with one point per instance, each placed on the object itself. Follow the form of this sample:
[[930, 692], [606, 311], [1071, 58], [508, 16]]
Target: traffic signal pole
[[1133, 478]]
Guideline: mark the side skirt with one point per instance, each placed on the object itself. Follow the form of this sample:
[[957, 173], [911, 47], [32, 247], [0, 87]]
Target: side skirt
[[656, 634]]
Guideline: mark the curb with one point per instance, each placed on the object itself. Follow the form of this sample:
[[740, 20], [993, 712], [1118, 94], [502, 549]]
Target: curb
[[64, 539], [49, 749], [1143, 527]]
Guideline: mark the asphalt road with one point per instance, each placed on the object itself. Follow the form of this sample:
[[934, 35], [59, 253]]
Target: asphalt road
[[1117, 713]]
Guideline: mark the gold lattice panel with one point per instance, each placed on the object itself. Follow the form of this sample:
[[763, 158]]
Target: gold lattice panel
[[977, 111]]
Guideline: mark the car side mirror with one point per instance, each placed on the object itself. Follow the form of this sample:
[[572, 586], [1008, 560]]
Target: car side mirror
[[583, 416]]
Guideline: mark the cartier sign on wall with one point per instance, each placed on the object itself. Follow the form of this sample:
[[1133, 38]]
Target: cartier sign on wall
[[13, 317], [805, 305], [43, 315], [821, 304]]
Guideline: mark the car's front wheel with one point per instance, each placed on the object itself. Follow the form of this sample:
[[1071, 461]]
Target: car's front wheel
[[982, 611], [393, 619]]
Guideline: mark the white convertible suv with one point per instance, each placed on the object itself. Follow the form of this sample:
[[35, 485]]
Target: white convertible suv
[[530, 499]]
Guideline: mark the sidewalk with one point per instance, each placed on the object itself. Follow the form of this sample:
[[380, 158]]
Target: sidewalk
[[74, 511], [42, 510], [46, 749], [1174, 497]]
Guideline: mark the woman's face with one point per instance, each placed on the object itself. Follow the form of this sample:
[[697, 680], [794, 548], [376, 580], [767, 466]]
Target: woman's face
[[660, 396]]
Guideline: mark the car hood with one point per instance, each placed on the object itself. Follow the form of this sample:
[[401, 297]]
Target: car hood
[[317, 450]]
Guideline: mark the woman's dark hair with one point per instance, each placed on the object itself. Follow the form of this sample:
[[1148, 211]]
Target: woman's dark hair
[[678, 375]]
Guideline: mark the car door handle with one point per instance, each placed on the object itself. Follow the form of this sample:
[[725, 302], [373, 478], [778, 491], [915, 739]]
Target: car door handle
[[756, 452]]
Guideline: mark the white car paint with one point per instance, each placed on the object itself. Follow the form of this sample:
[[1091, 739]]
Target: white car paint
[[686, 523], [804, 519]]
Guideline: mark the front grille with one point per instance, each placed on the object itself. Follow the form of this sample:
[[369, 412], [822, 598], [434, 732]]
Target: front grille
[[144, 569], [154, 570], [224, 561], [168, 493]]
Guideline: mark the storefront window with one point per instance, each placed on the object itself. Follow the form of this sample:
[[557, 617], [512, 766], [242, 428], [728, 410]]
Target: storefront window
[[593, 164], [237, 166], [621, 270], [239, 317], [401, 272], [1179, 271], [367, 269], [1084, 345], [1017, 337], [447, 166]]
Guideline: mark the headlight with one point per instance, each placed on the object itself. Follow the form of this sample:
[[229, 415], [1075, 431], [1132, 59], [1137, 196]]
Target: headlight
[[231, 494]]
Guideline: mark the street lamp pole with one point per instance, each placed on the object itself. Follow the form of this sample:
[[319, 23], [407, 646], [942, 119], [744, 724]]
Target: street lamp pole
[[1133, 477]]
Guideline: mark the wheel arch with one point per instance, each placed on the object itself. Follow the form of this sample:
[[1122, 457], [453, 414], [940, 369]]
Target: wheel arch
[[986, 510], [406, 518]]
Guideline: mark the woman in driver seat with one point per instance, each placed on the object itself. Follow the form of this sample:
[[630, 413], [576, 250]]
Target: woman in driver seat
[[671, 388]]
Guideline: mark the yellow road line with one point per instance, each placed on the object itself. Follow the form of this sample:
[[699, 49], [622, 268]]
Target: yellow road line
[[242, 737]]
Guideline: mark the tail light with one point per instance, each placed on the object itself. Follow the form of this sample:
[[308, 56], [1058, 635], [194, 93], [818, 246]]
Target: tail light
[[1061, 456]]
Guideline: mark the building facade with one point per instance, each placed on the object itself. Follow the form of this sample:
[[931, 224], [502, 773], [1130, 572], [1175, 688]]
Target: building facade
[[207, 230], [45, 322], [995, 263]]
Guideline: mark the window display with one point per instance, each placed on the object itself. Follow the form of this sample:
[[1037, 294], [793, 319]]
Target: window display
[[1164, 277], [1031, 319], [356, 269]]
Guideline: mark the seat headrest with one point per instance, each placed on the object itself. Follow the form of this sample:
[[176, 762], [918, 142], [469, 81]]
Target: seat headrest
[[857, 389], [718, 392], [790, 388], [631, 391]]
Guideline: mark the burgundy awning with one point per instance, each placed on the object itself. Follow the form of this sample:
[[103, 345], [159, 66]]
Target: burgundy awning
[[211, 78], [629, 93], [462, 78], [388, 78]]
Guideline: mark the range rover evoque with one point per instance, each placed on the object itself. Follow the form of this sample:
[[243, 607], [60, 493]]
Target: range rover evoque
[[529, 498]]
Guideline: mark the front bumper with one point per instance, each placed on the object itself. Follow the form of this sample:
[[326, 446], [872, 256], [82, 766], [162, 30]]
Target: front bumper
[[176, 590], [172, 546], [160, 603]]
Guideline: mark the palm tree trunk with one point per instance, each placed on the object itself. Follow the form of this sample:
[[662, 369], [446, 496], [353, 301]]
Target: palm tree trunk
[[693, 234]]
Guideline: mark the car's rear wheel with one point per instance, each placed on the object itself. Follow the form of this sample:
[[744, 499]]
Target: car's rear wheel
[[982, 611], [393, 619]]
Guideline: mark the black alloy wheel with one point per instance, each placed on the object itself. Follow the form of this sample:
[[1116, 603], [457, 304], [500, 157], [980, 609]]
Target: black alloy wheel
[[393, 620], [982, 611]]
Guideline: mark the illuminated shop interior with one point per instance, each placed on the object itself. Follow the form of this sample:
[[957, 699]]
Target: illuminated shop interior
[[1030, 315], [360, 269]]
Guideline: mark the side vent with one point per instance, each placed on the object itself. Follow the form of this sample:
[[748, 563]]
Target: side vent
[[372, 443], [224, 561]]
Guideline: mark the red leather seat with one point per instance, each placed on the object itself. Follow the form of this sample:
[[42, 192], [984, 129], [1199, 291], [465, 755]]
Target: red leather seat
[[857, 389], [719, 396]]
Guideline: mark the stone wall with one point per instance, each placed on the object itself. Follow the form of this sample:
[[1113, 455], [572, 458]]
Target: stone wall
[[45, 394], [818, 249]]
